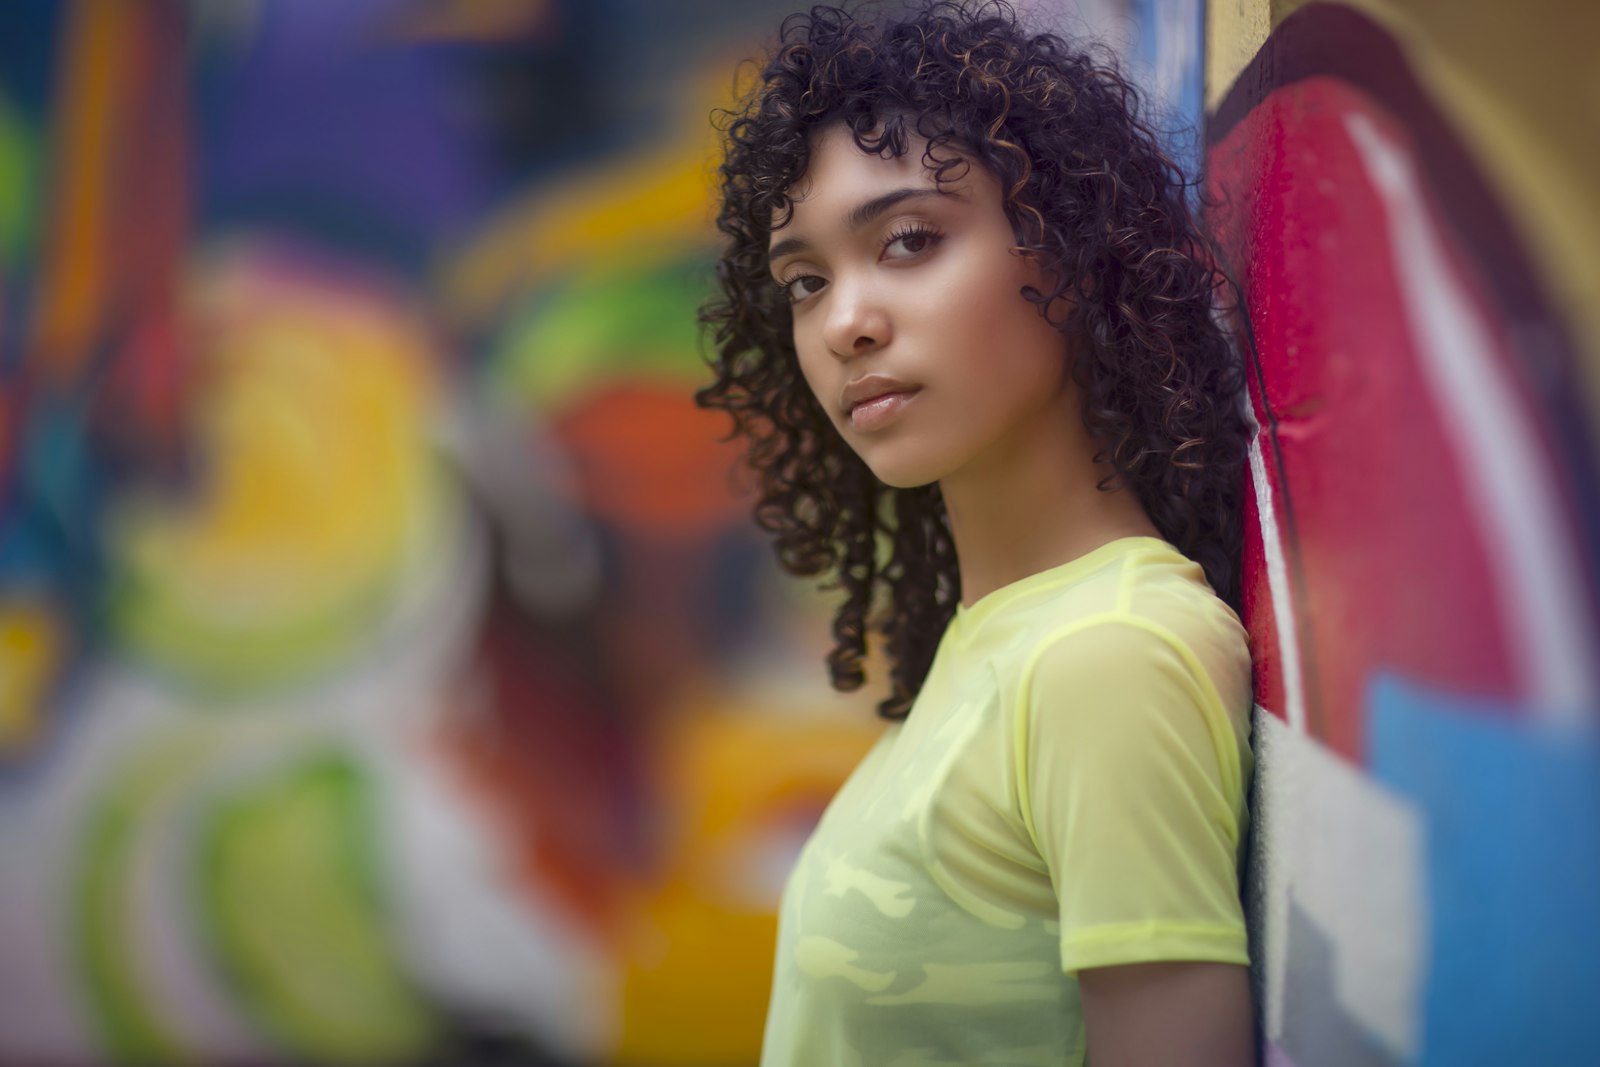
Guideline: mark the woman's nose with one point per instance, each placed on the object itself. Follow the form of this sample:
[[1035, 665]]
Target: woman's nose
[[857, 320]]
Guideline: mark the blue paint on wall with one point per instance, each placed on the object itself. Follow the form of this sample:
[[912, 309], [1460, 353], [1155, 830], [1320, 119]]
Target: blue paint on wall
[[1167, 47], [1513, 867]]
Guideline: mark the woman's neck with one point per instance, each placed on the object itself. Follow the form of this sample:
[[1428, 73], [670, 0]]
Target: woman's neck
[[1032, 504]]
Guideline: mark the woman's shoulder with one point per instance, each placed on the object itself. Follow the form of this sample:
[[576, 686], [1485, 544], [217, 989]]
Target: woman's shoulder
[[1152, 610], [1146, 585]]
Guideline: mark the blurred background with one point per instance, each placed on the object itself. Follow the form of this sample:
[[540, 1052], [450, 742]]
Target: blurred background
[[390, 672]]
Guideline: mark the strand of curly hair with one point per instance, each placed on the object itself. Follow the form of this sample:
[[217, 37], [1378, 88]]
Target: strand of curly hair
[[1088, 189]]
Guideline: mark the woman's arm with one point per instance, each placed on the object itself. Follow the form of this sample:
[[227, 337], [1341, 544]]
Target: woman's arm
[[1168, 1014]]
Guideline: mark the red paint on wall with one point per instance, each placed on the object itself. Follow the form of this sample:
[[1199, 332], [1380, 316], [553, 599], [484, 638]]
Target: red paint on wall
[[1388, 570]]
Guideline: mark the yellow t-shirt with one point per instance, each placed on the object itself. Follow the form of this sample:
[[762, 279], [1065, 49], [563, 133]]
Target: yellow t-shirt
[[1068, 792]]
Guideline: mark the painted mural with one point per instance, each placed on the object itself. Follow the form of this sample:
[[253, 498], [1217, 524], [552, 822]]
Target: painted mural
[[1421, 578], [389, 672]]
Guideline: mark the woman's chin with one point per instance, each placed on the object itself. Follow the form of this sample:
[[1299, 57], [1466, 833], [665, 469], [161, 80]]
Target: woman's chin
[[903, 475]]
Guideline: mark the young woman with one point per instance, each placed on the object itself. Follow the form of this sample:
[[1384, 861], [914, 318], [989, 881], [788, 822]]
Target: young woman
[[965, 327]]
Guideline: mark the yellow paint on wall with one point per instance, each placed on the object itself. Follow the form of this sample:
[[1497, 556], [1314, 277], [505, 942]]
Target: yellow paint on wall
[[656, 205], [1235, 32], [31, 645]]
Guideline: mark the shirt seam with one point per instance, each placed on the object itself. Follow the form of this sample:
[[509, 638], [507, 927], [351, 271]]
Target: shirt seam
[[1112, 932], [1154, 941], [1215, 713], [1132, 547]]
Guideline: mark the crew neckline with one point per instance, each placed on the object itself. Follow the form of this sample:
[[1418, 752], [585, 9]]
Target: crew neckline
[[966, 618]]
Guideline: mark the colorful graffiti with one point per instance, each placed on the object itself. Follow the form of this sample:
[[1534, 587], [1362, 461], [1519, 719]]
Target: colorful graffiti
[[388, 670], [1422, 589]]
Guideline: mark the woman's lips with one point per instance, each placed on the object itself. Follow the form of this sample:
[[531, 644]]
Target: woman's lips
[[880, 411]]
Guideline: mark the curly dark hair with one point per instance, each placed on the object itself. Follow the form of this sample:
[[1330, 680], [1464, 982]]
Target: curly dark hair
[[1087, 188]]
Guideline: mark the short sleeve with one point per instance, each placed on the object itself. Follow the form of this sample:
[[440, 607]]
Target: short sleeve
[[1130, 785]]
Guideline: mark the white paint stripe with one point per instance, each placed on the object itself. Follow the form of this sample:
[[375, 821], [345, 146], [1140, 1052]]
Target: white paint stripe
[[1506, 479], [1294, 688], [1350, 854], [1277, 793]]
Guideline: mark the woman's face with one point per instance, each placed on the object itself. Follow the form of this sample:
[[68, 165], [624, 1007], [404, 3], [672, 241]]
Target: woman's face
[[908, 315]]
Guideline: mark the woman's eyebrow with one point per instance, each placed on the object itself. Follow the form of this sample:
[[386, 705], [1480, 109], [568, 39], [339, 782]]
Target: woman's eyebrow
[[862, 214]]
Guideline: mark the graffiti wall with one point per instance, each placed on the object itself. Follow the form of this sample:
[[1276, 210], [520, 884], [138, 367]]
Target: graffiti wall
[[389, 671], [1399, 194]]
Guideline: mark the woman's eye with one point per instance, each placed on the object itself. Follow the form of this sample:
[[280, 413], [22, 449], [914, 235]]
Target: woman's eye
[[912, 243], [800, 286]]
